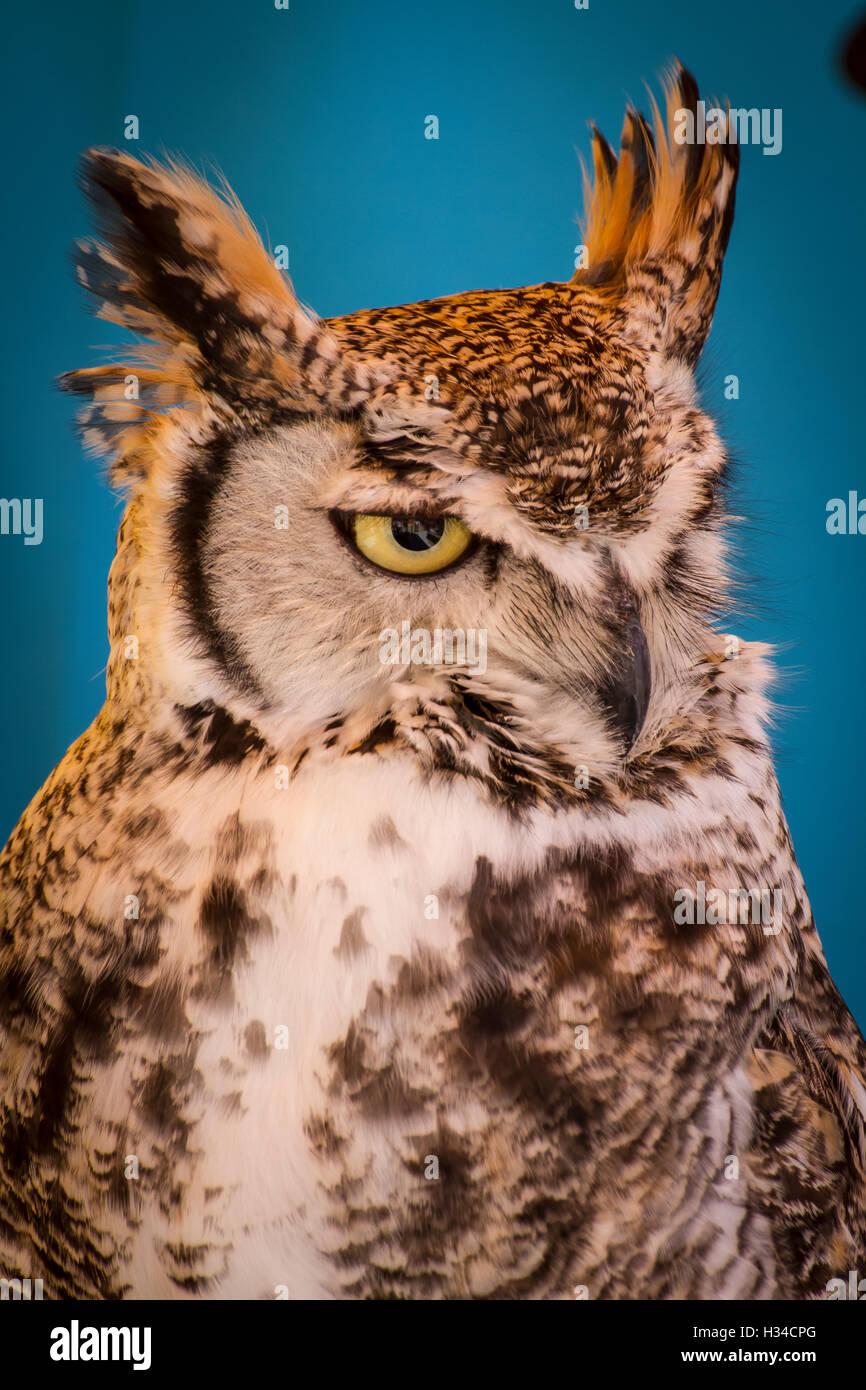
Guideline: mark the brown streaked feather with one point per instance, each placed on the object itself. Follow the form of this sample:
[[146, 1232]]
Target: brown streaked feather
[[657, 221], [182, 265], [809, 1148]]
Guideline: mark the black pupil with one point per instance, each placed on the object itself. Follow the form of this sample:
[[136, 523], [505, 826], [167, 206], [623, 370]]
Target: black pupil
[[416, 535]]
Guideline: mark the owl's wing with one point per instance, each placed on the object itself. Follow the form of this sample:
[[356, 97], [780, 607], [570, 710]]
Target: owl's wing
[[808, 1071], [56, 1015]]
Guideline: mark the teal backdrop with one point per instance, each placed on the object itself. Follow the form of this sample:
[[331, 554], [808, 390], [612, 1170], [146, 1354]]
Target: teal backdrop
[[316, 115]]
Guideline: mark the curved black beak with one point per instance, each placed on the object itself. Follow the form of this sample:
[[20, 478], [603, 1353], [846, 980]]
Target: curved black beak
[[626, 692]]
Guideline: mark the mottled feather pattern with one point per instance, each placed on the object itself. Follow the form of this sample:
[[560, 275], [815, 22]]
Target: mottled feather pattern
[[362, 980]]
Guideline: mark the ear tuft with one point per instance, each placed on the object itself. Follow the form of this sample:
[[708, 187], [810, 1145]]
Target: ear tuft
[[180, 264], [658, 220]]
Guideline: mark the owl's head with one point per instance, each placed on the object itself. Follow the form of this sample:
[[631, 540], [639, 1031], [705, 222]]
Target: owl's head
[[483, 530]]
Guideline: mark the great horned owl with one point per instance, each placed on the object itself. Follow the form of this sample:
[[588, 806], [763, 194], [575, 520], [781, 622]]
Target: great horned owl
[[377, 940]]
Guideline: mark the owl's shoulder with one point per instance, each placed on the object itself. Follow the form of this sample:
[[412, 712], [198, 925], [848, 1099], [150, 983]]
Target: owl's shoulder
[[808, 1073]]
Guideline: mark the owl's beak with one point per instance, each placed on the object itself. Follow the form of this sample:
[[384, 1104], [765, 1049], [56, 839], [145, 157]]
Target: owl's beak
[[626, 692]]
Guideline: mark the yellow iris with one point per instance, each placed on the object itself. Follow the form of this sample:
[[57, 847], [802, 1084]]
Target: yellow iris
[[410, 545]]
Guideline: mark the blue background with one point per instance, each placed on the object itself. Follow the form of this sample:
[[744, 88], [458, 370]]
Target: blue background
[[316, 115]]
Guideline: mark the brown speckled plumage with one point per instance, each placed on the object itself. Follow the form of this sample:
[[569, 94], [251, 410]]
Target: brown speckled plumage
[[322, 977]]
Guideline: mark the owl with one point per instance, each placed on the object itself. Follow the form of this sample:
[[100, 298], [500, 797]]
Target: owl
[[418, 919]]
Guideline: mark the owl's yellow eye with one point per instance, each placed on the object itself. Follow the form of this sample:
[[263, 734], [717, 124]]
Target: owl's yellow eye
[[410, 545]]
